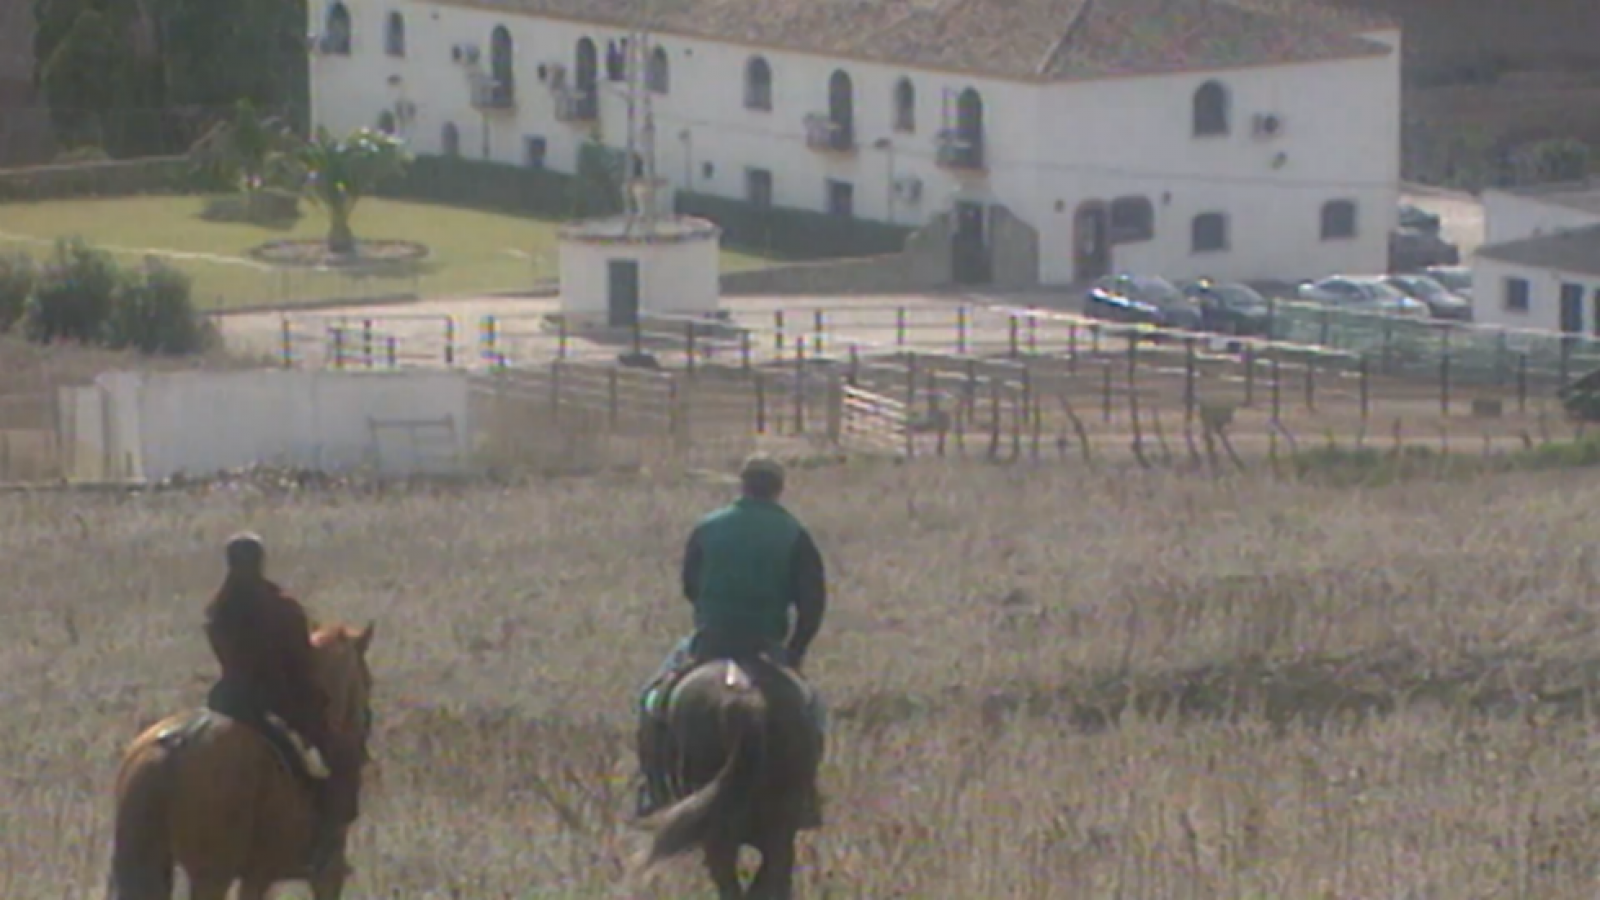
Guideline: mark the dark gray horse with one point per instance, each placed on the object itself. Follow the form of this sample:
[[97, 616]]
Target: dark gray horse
[[749, 753]]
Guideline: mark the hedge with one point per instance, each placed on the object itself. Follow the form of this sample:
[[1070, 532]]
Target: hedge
[[793, 233], [495, 187], [114, 178]]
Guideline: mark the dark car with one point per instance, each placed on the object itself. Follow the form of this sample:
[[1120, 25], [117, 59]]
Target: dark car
[[1442, 304], [1228, 307], [1411, 250], [1148, 299], [1415, 218]]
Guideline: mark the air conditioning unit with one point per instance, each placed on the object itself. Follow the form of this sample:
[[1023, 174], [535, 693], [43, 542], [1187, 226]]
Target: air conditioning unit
[[908, 189], [1267, 125], [465, 54]]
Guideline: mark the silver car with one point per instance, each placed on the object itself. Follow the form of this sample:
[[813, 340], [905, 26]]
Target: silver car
[[1362, 293]]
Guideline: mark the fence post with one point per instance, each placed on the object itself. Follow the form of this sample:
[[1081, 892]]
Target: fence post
[[1133, 358], [613, 400], [366, 341], [961, 330], [555, 390], [969, 399], [393, 351], [1033, 335], [1188, 378], [1365, 387], [1566, 359], [761, 402], [1015, 337], [1311, 382], [744, 349], [911, 382], [1094, 338], [338, 346], [853, 374], [1444, 374], [799, 385], [777, 331], [1326, 327], [286, 343], [1388, 345], [1501, 349], [450, 342], [638, 336], [1277, 385], [688, 347], [1105, 390], [1072, 347], [1522, 382], [563, 330], [900, 326], [1249, 356], [819, 327]]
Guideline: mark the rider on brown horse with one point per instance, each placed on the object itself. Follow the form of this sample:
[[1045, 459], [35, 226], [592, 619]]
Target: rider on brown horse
[[744, 566], [262, 638]]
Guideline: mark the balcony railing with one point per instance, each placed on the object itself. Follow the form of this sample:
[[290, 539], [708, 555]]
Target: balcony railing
[[493, 95], [960, 151], [828, 136], [577, 106]]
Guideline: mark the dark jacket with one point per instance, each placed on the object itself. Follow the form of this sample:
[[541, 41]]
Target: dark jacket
[[746, 565], [262, 639]]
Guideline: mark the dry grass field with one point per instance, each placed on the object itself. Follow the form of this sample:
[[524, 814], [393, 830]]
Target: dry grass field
[[1044, 684]]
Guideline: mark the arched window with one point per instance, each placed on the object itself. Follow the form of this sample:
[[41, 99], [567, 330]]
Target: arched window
[[617, 60], [386, 122], [842, 107], [905, 106], [1133, 219], [337, 38], [394, 35], [658, 73], [1338, 220], [1210, 110], [1209, 233], [586, 70], [502, 62], [450, 140], [757, 84]]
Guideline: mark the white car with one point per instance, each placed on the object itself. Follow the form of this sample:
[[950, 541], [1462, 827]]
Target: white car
[[1365, 293]]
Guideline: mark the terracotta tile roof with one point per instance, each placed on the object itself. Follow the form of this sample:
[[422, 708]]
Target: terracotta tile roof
[[1029, 39]]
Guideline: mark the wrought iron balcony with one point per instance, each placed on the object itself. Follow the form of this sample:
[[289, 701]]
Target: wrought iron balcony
[[828, 136], [493, 95], [960, 151], [577, 106]]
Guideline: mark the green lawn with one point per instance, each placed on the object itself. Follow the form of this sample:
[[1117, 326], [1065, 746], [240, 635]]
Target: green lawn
[[471, 252]]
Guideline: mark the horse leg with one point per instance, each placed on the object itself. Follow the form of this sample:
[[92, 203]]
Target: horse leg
[[775, 879], [722, 861]]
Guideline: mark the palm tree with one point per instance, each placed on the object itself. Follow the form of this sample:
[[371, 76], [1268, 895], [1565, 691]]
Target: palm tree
[[339, 172], [251, 152]]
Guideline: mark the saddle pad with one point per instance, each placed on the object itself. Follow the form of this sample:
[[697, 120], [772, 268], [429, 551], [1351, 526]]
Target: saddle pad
[[298, 757]]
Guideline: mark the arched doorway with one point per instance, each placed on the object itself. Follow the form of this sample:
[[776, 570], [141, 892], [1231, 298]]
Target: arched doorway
[[842, 109]]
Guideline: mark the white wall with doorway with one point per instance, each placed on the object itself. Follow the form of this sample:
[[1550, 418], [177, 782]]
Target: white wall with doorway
[[1513, 296], [673, 278]]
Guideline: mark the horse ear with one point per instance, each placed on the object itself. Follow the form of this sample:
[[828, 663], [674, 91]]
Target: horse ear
[[364, 639]]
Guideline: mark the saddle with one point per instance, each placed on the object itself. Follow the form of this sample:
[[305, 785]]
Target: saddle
[[302, 761]]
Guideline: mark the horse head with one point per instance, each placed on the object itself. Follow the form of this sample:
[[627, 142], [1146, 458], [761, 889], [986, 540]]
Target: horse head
[[340, 663]]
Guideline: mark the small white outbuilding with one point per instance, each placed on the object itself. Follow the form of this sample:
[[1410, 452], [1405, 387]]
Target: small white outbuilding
[[614, 270]]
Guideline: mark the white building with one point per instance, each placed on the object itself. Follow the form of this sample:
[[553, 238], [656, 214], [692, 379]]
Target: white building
[[1540, 265], [1184, 137]]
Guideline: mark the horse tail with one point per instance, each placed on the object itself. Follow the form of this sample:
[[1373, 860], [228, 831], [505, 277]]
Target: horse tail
[[141, 857], [686, 823]]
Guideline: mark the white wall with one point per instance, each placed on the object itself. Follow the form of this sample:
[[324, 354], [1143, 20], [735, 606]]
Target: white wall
[[681, 278], [1512, 217], [1544, 296], [1043, 143], [1133, 136], [201, 422]]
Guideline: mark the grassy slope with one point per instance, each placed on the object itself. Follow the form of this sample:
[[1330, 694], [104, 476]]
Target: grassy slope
[[472, 252], [981, 618]]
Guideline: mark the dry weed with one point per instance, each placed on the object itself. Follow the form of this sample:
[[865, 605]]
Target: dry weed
[[1043, 685]]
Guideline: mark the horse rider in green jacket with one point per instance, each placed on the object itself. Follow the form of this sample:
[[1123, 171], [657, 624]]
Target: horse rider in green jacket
[[744, 566]]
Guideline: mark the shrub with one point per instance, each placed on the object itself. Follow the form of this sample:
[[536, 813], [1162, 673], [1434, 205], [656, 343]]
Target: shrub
[[73, 296], [153, 312], [18, 272]]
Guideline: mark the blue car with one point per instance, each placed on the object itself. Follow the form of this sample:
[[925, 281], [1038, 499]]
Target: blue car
[[1146, 299]]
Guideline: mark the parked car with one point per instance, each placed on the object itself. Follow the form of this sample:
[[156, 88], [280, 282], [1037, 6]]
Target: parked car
[[1442, 303], [1415, 218], [1362, 293], [1456, 279], [1228, 307], [1149, 299], [1412, 250]]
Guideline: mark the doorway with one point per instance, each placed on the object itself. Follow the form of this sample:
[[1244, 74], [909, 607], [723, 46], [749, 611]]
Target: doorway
[[969, 245], [1091, 242], [622, 292], [1572, 308]]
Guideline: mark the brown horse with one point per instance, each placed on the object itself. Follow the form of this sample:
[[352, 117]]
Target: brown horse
[[210, 794], [750, 755]]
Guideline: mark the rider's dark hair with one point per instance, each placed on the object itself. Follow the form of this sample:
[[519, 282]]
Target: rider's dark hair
[[761, 484]]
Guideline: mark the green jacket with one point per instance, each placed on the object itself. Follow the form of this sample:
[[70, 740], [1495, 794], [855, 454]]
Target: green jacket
[[744, 567]]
